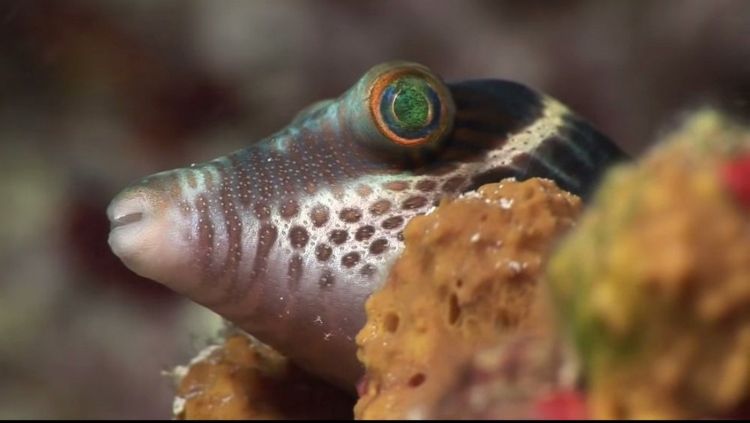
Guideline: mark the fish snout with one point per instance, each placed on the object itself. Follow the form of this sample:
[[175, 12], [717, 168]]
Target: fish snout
[[145, 224]]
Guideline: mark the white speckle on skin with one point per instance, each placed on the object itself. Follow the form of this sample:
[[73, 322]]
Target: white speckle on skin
[[475, 238], [327, 336], [318, 320], [505, 203]]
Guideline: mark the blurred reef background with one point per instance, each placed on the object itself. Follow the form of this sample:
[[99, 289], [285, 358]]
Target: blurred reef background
[[94, 94]]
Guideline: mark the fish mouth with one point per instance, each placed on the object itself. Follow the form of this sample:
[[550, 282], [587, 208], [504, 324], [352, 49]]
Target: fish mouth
[[131, 223], [125, 220], [140, 234], [127, 209]]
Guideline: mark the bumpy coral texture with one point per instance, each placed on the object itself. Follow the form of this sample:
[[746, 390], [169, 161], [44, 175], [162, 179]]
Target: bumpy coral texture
[[526, 377], [655, 282], [245, 380], [468, 278]]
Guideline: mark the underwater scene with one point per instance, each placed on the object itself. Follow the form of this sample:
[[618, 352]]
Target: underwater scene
[[374, 210]]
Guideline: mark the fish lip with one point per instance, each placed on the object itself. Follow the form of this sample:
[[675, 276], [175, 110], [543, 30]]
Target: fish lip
[[131, 226], [125, 220], [127, 210]]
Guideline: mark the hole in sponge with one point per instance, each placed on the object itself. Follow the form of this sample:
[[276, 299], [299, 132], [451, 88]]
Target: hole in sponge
[[417, 380], [391, 322], [453, 310]]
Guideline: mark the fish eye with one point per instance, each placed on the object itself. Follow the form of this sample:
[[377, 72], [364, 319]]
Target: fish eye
[[411, 108]]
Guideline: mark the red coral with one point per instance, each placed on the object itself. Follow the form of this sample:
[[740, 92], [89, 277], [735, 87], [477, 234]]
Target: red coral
[[562, 405], [735, 175], [362, 386]]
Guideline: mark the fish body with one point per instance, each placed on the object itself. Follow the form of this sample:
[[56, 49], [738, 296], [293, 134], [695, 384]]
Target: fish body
[[288, 237]]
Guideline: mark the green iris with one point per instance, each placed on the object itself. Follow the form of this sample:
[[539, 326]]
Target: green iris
[[411, 106]]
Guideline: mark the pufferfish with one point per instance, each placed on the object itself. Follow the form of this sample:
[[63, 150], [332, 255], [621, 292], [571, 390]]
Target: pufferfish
[[288, 237]]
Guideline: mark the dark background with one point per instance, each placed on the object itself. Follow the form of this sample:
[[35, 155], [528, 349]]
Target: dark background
[[94, 94]]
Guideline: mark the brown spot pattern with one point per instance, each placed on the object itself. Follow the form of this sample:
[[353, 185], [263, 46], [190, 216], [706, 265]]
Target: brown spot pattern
[[393, 222], [426, 185], [350, 259], [365, 232], [294, 272], [298, 237], [327, 279], [452, 184], [378, 246], [323, 252], [338, 236], [380, 207], [396, 185], [289, 209], [350, 215], [319, 215], [415, 202]]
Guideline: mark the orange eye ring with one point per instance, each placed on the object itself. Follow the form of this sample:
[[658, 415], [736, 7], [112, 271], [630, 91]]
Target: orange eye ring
[[411, 107]]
